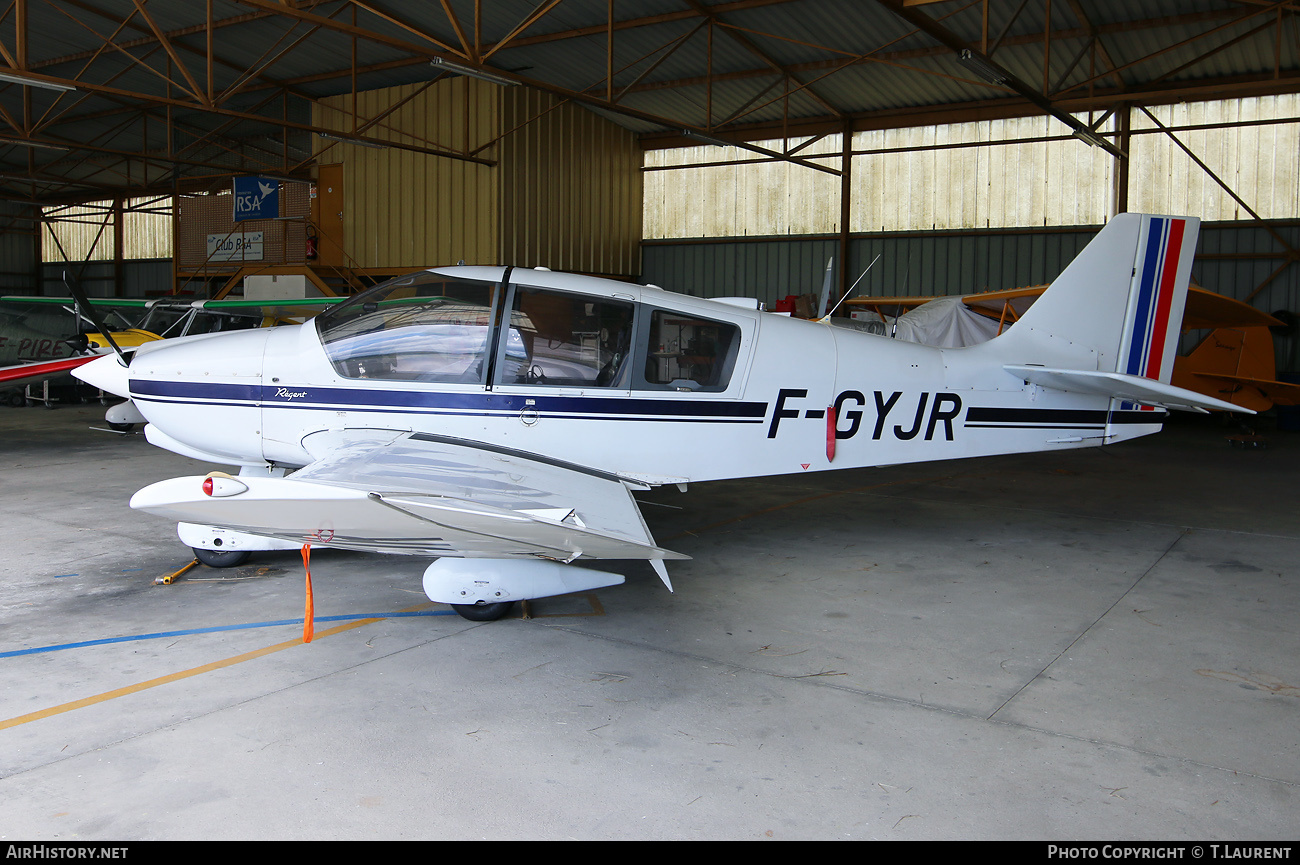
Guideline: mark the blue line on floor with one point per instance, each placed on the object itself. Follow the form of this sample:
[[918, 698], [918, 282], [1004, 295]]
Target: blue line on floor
[[160, 635]]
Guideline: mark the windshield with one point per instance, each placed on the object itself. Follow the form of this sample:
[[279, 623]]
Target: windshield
[[421, 327]]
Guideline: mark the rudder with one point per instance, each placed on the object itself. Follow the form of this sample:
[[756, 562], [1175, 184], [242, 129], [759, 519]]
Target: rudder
[[1158, 294]]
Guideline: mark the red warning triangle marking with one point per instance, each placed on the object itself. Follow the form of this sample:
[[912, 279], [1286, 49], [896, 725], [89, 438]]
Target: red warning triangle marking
[[805, 466]]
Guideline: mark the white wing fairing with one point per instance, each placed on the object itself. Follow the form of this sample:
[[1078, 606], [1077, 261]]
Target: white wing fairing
[[411, 493], [506, 414]]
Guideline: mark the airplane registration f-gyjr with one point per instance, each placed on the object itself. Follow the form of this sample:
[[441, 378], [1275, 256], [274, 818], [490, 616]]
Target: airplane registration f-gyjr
[[500, 418]]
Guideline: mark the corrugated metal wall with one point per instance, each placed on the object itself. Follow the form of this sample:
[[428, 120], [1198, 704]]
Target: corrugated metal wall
[[913, 263], [926, 184], [937, 264], [408, 209], [766, 269], [571, 187], [140, 278], [1056, 183], [91, 230], [565, 193], [1260, 163], [81, 234], [18, 248], [748, 199], [929, 183]]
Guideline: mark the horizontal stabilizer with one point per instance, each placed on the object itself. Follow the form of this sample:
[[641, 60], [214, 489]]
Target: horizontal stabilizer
[[1120, 386]]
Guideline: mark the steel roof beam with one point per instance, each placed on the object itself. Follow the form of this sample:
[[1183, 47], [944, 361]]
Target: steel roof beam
[[577, 96], [1239, 19], [943, 51], [946, 37], [749, 46], [171, 52], [155, 99]]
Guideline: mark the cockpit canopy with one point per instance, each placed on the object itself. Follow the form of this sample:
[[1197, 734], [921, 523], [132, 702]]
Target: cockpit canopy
[[431, 327]]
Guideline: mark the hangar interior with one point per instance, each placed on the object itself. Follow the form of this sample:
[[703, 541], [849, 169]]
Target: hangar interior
[[1084, 644]]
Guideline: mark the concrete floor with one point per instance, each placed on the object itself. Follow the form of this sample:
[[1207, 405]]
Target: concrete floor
[[1094, 645]]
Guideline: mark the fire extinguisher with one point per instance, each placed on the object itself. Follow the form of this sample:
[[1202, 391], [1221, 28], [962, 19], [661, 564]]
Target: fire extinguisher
[[311, 244]]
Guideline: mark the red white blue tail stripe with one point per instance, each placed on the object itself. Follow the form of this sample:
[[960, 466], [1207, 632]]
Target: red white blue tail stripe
[[1155, 290]]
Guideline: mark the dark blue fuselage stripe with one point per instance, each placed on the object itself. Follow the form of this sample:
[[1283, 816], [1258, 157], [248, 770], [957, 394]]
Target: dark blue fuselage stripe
[[988, 417], [449, 413], [336, 399]]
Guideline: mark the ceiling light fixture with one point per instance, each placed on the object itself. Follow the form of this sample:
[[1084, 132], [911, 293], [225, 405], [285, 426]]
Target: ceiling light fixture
[[709, 139], [472, 72], [13, 78], [339, 138], [1087, 136], [38, 144], [983, 67]]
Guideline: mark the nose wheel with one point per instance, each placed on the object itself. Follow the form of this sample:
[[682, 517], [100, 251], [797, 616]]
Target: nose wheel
[[221, 558]]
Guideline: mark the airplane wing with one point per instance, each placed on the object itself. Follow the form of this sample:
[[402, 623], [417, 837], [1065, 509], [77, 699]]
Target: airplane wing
[[292, 310], [282, 308], [106, 302], [1008, 304], [398, 492], [1269, 392], [1236, 364], [23, 374], [285, 307], [1207, 310]]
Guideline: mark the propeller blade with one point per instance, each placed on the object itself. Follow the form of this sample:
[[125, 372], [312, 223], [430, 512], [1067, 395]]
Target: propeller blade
[[91, 313]]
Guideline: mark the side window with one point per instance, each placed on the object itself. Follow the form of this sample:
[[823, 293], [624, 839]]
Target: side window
[[689, 353], [573, 340], [423, 327]]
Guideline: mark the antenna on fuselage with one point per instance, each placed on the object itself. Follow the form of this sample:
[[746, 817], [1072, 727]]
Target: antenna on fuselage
[[826, 289], [849, 293]]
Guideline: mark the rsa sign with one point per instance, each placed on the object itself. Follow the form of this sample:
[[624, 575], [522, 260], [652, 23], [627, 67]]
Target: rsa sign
[[256, 198]]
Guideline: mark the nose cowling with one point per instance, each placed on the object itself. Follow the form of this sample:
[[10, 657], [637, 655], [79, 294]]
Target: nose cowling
[[230, 356], [202, 394], [107, 373]]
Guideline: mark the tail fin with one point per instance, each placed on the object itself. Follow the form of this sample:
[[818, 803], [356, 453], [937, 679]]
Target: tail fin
[[1108, 324], [1118, 306]]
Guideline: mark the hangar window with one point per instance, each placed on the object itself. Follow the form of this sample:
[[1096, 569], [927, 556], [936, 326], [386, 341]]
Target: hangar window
[[689, 353], [573, 340], [421, 327]]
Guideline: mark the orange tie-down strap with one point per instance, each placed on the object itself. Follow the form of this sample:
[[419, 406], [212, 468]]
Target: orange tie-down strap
[[309, 612]]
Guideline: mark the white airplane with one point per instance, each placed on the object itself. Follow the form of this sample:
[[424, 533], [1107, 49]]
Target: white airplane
[[500, 418]]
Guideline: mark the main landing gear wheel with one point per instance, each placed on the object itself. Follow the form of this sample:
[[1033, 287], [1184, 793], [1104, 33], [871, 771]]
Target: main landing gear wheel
[[221, 558], [483, 612]]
